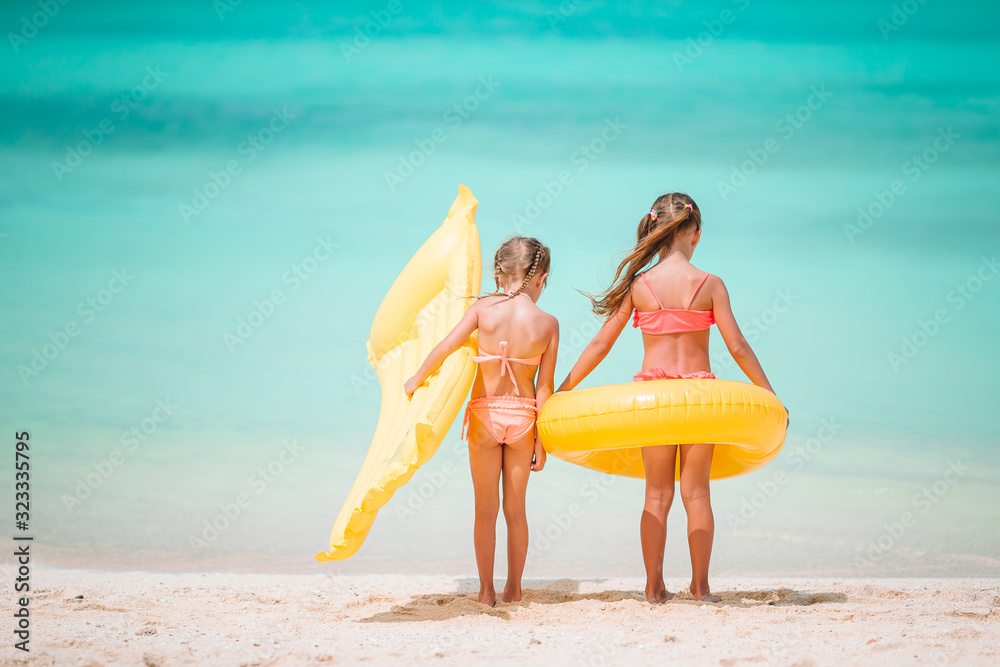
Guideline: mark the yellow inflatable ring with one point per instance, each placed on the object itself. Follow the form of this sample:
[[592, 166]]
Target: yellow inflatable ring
[[604, 428]]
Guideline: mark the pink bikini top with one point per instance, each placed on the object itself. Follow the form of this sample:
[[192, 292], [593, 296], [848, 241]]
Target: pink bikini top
[[505, 362], [673, 320]]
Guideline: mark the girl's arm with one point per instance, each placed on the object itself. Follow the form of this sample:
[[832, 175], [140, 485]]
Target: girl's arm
[[599, 347], [543, 389], [451, 342], [731, 334]]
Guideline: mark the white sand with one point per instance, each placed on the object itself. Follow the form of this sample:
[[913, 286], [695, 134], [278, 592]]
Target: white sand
[[138, 618]]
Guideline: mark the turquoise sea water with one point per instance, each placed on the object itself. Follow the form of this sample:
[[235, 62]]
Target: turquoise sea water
[[163, 170]]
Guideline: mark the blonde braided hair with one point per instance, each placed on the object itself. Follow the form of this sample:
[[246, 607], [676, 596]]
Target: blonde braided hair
[[512, 258], [531, 272]]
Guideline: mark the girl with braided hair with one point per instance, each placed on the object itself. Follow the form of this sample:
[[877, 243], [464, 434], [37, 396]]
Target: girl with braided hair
[[675, 340], [516, 340]]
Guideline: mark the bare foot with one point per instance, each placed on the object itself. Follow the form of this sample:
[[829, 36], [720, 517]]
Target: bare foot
[[657, 594], [704, 596], [511, 594], [487, 597]]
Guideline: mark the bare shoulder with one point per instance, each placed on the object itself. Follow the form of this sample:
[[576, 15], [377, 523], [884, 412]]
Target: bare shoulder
[[549, 323], [475, 306], [484, 302], [715, 287], [715, 281], [481, 308]]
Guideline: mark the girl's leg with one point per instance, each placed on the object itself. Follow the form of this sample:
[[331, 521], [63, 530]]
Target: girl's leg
[[516, 469], [485, 458], [659, 463], [696, 464]]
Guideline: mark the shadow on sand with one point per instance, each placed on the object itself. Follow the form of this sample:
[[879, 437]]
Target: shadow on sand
[[463, 602]]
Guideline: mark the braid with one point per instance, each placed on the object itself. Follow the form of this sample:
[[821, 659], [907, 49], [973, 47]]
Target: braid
[[512, 258], [531, 272]]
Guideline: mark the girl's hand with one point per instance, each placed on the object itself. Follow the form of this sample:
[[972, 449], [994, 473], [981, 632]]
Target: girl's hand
[[538, 461], [411, 386]]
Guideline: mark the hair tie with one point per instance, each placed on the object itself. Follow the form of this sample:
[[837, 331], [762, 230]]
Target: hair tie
[[689, 207], [653, 214]]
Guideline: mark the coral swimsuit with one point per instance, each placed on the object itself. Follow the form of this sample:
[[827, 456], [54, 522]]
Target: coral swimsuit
[[668, 321], [507, 418]]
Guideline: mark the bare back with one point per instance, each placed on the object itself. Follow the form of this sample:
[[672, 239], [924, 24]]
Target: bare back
[[527, 330], [674, 282]]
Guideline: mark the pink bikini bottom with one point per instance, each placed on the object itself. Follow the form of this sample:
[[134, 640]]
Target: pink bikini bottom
[[660, 374], [507, 418]]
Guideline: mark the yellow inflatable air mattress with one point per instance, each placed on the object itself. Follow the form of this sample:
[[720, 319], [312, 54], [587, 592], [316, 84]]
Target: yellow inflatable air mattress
[[422, 306], [604, 428]]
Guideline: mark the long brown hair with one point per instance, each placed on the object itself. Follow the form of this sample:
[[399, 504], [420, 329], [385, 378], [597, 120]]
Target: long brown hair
[[670, 215], [519, 256]]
